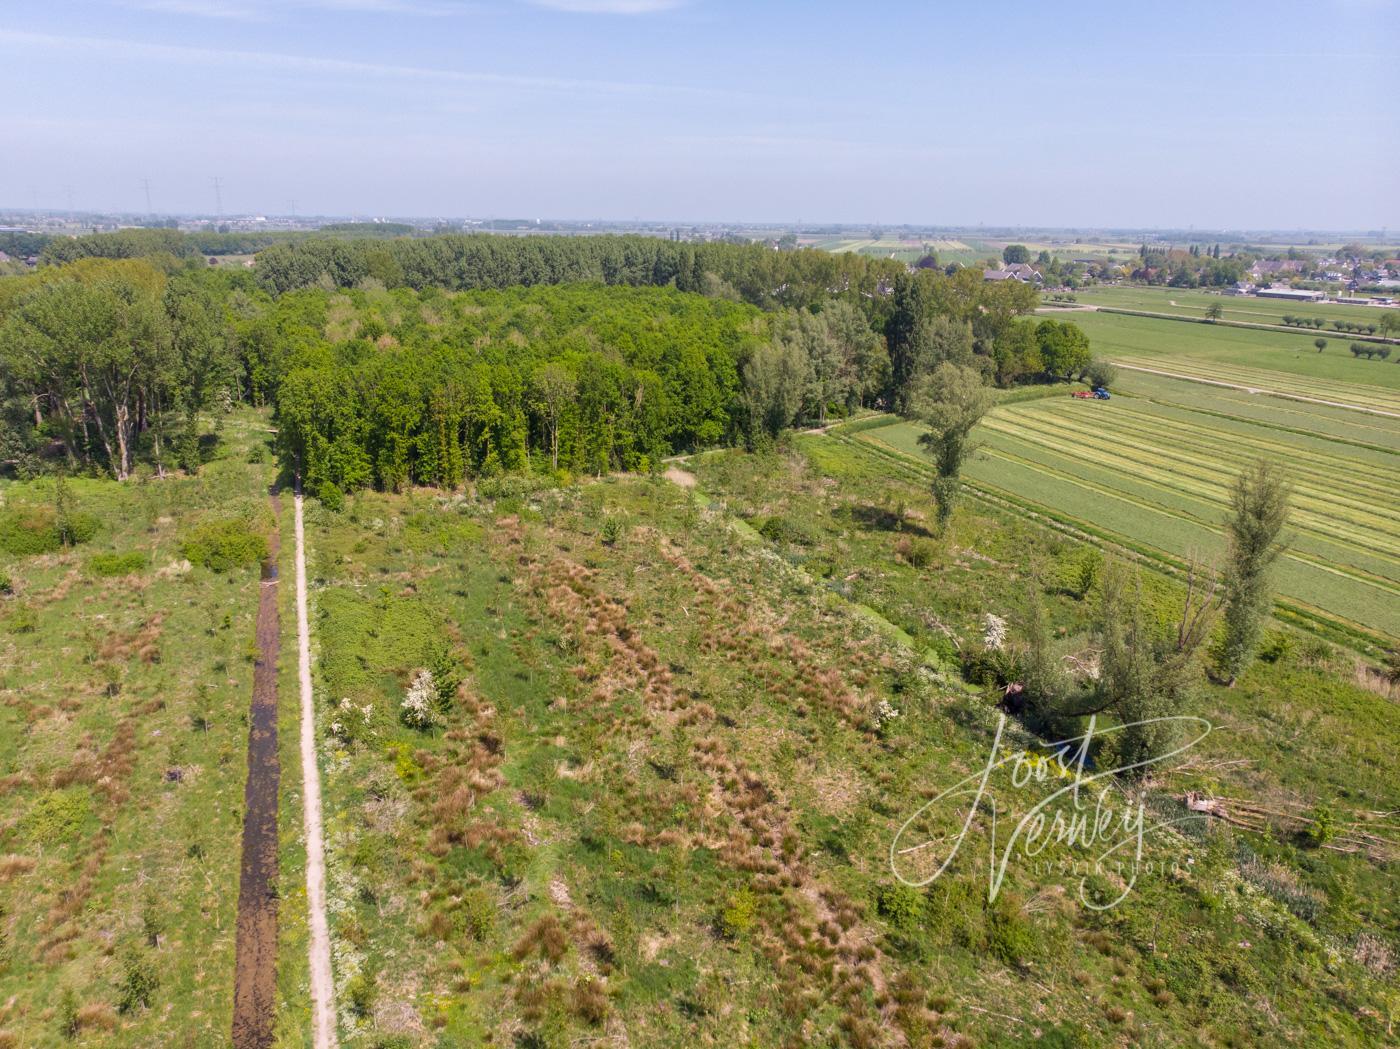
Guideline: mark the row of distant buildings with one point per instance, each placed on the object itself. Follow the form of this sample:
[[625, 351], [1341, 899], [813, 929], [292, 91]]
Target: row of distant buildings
[[1352, 272], [1023, 272]]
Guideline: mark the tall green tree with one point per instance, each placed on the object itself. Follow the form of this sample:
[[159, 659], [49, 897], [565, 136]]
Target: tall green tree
[[203, 363], [552, 389], [1259, 510], [775, 381], [951, 401]]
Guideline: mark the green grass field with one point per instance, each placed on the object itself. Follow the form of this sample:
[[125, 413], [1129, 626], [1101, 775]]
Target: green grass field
[[1185, 302], [1302, 417], [1158, 475], [125, 679], [1119, 336]]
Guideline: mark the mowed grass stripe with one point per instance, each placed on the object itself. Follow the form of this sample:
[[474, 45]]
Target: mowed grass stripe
[[1342, 393], [1301, 612], [1374, 433], [1356, 542], [1332, 485], [1322, 545], [1378, 445], [1357, 504], [1362, 600], [1315, 446], [1366, 479], [1286, 354]]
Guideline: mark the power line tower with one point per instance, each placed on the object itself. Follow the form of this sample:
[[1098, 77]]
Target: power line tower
[[146, 185], [219, 198]]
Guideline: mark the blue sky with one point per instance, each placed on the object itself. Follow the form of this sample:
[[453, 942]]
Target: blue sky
[[1240, 114]]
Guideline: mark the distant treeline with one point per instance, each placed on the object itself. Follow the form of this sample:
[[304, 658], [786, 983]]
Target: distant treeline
[[21, 245], [469, 262], [144, 242], [431, 360]]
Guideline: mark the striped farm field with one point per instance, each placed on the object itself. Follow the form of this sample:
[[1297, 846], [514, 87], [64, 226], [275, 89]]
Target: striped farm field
[[1306, 418], [1155, 477], [1324, 391], [1291, 355]]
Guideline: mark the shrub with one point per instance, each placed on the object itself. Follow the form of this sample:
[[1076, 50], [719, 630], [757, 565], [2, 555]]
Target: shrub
[[1099, 372], [737, 916], [29, 530], [223, 544], [1276, 646], [57, 815], [921, 553], [23, 620], [360, 994], [1009, 935], [478, 913], [590, 1001], [1083, 572], [902, 906], [332, 498], [68, 1025], [117, 564], [612, 529], [7, 585], [779, 529], [419, 707], [1323, 827], [138, 983]]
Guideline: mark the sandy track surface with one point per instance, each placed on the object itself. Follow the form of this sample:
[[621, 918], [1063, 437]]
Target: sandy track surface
[[322, 986]]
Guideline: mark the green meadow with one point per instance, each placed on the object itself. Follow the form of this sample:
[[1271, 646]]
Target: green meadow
[[1333, 374], [1185, 302]]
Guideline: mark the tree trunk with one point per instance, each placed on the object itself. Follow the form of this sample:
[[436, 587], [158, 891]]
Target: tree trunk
[[123, 428]]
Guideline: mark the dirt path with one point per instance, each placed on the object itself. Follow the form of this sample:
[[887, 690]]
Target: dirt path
[[322, 986], [255, 952], [1257, 389]]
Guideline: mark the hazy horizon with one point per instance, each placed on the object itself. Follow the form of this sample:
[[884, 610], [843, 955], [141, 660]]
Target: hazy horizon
[[1252, 119]]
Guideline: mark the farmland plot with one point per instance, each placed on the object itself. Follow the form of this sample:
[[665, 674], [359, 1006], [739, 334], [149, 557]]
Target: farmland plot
[[1246, 309], [1158, 476], [1164, 343]]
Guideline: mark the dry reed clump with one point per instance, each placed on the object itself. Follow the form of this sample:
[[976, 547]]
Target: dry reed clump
[[546, 937], [142, 643], [455, 778], [12, 866]]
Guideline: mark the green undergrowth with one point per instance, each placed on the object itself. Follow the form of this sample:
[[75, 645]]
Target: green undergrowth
[[123, 736], [661, 796]]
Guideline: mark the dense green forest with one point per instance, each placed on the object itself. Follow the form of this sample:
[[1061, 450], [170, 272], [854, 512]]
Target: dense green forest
[[427, 361]]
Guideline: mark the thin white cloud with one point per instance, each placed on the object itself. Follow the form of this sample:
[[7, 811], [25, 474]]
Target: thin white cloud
[[311, 65], [266, 10], [610, 7]]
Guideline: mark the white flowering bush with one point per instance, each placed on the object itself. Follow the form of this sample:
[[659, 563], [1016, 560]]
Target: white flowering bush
[[350, 723], [993, 631], [885, 714], [420, 702]]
